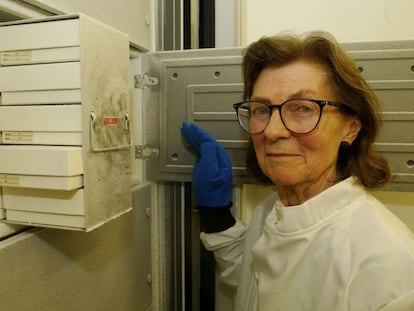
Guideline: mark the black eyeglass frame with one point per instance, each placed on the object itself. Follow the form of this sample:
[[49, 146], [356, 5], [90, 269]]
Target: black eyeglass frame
[[320, 103]]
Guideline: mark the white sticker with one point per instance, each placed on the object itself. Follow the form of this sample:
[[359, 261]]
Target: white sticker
[[9, 137], [7, 180], [15, 57]]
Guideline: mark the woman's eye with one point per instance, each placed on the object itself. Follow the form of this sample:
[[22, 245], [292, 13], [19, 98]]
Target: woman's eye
[[260, 110], [301, 107], [304, 109]]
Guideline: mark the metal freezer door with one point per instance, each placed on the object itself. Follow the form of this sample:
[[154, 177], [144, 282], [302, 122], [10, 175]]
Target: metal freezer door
[[196, 86], [200, 86]]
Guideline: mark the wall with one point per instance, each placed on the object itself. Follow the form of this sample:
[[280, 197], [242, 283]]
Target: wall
[[226, 19], [352, 20]]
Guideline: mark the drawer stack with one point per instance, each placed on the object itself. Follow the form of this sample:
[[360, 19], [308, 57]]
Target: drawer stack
[[65, 132]]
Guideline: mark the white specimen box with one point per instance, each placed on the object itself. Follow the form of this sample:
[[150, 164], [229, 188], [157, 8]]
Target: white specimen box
[[41, 97], [34, 35], [41, 160], [42, 181], [40, 77], [64, 118], [22, 204], [45, 201], [41, 124], [66, 54]]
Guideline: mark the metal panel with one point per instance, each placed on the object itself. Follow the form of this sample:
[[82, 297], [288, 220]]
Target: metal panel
[[200, 86], [195, 86], [389, 69]]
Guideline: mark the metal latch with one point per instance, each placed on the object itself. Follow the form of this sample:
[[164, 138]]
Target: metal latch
[[144, 81], [144, 152]]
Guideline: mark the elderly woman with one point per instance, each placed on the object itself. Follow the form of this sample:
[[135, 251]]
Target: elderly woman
[[320, 241]]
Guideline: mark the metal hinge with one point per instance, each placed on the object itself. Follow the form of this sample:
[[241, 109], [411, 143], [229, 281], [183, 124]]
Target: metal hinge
[[144, 81], [145, 152]]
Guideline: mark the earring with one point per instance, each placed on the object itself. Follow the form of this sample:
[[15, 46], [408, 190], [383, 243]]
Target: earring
[[344, 145], [344, 159]]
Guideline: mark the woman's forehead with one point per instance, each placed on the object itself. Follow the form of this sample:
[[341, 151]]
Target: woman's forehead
[[294, 80]]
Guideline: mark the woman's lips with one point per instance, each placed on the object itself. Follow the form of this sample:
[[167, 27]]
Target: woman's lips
[[280, 154], [281, 157]]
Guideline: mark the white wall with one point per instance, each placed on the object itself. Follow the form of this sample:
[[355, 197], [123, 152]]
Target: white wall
[[226, 23], [350, 20]]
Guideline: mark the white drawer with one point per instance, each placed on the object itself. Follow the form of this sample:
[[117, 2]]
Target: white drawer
[[55, 55], [40, 77], [73, 222], [41, 124], [42, 118], [44, 201], [41, 160], [42, 138], [49, 34], [45, 97], [41, 182]]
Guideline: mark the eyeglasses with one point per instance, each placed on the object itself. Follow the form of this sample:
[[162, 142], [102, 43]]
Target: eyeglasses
[[299, 116]]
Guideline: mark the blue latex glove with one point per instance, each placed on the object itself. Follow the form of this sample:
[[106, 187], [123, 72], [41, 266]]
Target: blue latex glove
[[212, 175]]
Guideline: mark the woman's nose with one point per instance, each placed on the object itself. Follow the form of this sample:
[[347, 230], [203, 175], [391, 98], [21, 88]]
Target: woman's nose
[[276, 129]]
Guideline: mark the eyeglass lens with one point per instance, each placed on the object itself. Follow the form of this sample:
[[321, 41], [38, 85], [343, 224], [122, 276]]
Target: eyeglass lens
[[298, 116]]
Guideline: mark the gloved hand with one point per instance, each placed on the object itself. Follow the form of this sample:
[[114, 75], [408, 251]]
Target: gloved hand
[[212, 175]]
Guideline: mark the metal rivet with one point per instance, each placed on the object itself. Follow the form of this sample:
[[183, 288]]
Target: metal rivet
[[147, 19], [149, 279]]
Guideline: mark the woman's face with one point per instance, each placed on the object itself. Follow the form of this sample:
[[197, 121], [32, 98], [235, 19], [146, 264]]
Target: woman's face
[[308, 160]]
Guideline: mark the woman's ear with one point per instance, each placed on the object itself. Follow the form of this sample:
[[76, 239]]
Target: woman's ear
[[353, 128]]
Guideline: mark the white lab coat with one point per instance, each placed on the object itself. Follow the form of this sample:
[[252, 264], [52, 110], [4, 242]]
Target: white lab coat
[[341, 250]]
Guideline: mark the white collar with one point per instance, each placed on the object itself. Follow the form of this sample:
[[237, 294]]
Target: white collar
[[289, 219]]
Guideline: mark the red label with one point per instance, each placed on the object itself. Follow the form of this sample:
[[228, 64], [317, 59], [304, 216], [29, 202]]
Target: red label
[[109, 121]]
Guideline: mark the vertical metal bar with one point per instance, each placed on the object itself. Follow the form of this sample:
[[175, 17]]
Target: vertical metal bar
[[172, 199], [170, 25], [207, 27], [183, 243], [178, 246]]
